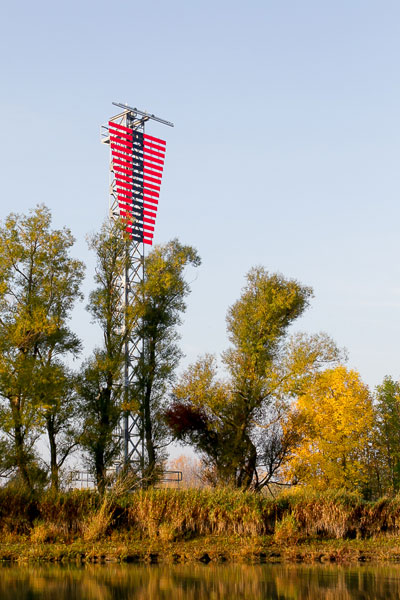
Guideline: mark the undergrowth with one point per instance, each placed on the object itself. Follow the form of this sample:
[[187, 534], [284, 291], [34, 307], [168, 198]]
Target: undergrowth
[[170, 515]]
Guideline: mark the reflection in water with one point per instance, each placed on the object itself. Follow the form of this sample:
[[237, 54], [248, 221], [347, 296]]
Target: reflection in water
[[199, 582]]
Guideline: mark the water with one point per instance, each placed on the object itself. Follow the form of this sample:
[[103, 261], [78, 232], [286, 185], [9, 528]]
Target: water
[[199, 582]]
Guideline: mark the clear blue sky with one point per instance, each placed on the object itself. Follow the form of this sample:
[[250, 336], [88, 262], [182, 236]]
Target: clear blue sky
[[285, 151]]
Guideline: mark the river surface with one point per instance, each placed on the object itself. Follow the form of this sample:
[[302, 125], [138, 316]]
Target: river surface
[[199, 582]]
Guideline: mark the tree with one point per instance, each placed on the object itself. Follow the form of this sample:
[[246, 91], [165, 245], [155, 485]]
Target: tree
[[39, 284], [58, 409], [158, 307], [191, 469], [102, 396], [337, 417], [387, 441], [230, 420], [154, 312]]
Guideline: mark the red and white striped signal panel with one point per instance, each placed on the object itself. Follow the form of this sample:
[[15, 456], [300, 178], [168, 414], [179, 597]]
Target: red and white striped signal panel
[[137, 162]]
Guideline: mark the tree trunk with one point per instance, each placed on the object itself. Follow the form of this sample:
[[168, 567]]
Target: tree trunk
[[100, 471], [149, 474], [54, 475], [20, 453], [247, 470]]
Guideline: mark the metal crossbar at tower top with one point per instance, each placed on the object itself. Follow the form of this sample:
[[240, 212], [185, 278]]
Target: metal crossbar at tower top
[[136, 166]]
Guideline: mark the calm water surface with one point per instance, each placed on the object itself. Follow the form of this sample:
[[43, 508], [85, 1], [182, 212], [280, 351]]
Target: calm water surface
[[199, 582]]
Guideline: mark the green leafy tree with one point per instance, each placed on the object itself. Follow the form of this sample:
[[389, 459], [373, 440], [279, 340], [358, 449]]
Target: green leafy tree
[[387, 439], [59, 411], [102, 395], [158, 307], [232, 421], [39, 284], [154, 312]]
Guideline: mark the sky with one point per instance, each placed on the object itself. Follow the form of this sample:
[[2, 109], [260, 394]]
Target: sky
[[284, 153]]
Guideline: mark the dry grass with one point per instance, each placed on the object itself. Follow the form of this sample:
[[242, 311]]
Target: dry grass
[[172, 516], [97, 525]]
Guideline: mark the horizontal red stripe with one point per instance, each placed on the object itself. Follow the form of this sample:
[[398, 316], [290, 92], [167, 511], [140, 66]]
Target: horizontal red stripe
[[150, 137], [148, 146], [150, 189], [155, 170], [120, 177], [122, 192], [121, 148], [117, 140], [149, 152], [149, 207], [117, 161], [124, 170], [122, 134], [148, 220], [120, 127], [153, 179], [146, 208], [155, 146], [147, 157], [127, 157], [122, 184], [125, 206], [148, 227], [120, 137], [151, 186], [151, 201], [123, 151], [125, 198], [150, 195], [151, 168]]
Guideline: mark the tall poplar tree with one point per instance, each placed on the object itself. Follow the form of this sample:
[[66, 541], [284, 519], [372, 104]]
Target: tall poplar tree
[[387, 439], [102, 396], [39, 284], [154, 313]]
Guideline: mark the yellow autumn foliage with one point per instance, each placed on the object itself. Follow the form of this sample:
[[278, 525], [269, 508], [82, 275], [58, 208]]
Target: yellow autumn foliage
[[334, 416]]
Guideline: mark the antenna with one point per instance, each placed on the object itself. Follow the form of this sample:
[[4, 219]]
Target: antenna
[[136, 111], [136, 167]]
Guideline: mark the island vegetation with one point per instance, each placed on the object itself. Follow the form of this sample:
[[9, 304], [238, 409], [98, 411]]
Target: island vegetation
[[297, 458]]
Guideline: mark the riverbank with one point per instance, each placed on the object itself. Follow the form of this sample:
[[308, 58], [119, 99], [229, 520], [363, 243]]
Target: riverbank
[[214, 550], [197, 526]]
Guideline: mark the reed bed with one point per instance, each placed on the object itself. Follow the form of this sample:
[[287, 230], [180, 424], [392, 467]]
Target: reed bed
[[178, 515]]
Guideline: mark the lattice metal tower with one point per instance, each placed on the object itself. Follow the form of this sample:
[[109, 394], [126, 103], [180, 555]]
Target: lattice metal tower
[[136, 166]]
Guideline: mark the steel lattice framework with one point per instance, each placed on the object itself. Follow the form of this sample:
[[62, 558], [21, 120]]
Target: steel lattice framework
[[136, 167]]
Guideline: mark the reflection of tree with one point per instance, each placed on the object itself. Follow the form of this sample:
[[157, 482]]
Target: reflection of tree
[[199, 582]]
